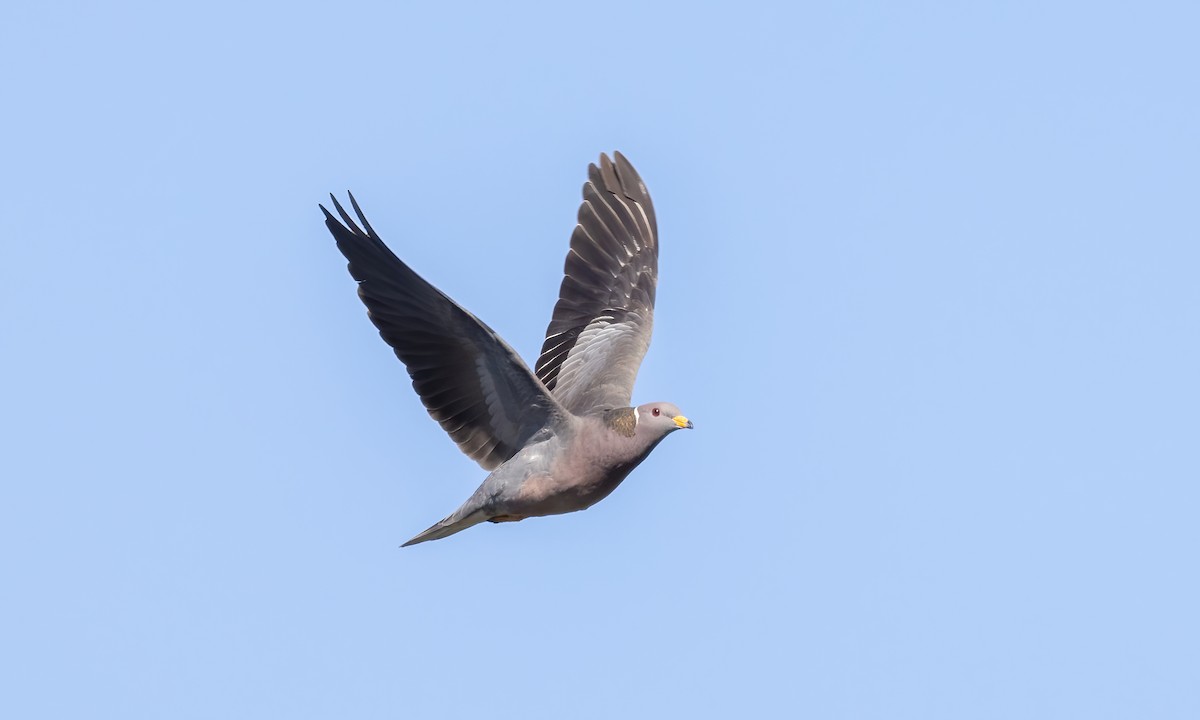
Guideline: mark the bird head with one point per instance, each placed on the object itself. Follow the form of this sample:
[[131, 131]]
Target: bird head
[[660, 418]]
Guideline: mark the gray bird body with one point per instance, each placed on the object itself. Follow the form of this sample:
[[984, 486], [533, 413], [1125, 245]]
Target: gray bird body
[[562, 438]]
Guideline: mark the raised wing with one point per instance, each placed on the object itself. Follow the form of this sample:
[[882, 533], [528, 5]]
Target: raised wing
[[468, 378], [600, 329]]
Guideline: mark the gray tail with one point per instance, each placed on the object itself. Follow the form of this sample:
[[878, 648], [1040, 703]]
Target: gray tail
[[446, 528]]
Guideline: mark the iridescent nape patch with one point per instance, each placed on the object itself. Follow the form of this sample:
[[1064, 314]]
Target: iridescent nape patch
[[623, 421]]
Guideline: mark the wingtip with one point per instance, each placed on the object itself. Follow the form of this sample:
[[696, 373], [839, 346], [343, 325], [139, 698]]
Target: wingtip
[[361, 217], [625, 167], [349, 223]]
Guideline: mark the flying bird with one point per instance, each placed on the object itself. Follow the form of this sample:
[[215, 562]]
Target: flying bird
[[562, 437]]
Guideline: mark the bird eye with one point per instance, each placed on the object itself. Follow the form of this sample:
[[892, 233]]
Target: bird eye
[[655, 412]]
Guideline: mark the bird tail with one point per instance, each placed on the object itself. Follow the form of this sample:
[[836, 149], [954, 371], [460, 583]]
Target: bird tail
[[447, 527]]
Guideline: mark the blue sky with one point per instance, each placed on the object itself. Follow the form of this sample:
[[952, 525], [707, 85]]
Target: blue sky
[[928, 289]]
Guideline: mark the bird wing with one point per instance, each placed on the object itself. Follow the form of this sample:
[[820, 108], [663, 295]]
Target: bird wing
[[601, 326], [476, 387]]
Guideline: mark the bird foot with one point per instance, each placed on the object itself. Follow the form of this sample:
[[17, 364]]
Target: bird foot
[[506, 518]]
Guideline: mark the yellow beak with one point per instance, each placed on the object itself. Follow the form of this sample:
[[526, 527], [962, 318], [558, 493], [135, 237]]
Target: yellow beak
[[683, 422]]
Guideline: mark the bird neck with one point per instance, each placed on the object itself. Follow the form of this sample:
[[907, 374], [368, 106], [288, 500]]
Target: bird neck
[[622, 421]]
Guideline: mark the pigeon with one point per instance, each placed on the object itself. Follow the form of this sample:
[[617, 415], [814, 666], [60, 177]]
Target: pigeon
[[560, 438]]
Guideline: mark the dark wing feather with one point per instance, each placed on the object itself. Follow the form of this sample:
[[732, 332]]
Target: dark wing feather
[[601, 326], [469, 379]]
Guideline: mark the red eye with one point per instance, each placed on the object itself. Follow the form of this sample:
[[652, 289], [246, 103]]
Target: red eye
[[655, 412]]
